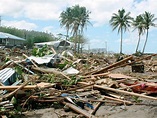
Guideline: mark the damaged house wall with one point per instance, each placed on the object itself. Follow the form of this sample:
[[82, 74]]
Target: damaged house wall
[[7, 39]]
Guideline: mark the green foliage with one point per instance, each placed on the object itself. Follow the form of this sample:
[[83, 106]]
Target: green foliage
[[18, 70], [7, 59], [44, 38], [13, 100], [62, 65], [136, 99], [64, 82], [49, 78], [40, 52], [16, 112], [2, 109]]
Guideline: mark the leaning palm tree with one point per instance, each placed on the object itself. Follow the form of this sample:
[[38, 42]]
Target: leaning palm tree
[[121, 21], [138, 24], [148, 21]]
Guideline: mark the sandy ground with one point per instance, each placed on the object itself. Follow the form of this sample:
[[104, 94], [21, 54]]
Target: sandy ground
[[105, 110], [133, 111]]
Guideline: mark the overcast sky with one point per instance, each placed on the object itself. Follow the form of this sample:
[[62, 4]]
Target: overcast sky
[[43, 15]]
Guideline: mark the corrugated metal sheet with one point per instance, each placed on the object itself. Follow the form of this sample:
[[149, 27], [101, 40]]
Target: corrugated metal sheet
[[8, 76], [10, 36]]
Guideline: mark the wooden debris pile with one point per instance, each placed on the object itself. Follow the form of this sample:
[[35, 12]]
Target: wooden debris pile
[[80, 84]]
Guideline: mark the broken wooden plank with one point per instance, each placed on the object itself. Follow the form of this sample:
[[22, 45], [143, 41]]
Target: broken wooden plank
[[14, 92], [96, 107], [15, 87], [79, 110], [121, 91], [53, 50], [39, 85], [23, 67], [30, 60], [118, 76], [95, 75]]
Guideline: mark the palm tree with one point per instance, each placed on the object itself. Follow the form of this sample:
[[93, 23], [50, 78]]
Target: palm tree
[[66, 19], [75, 18], [81, 19], [148, 21], [138, 24], [121, 21]]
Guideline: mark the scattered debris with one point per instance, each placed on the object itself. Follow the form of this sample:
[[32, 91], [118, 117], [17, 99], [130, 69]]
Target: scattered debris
[[47, 78]]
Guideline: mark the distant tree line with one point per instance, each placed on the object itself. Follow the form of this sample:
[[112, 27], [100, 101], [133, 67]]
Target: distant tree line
[[30, 36]]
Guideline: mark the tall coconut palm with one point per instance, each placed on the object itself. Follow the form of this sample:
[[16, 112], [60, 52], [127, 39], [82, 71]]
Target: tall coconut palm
[[138, 24], [148, 21], [122, 21], [66, 19], [75, 19], [80, 20]]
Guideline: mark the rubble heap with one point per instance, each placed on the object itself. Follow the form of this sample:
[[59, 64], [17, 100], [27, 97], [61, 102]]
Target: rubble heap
[[80, 83]]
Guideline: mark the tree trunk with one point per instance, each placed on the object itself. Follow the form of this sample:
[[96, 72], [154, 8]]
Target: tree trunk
[[138, 43], [79, 42], [66, 38], [121, 41], [75, 42], [145, 42]]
